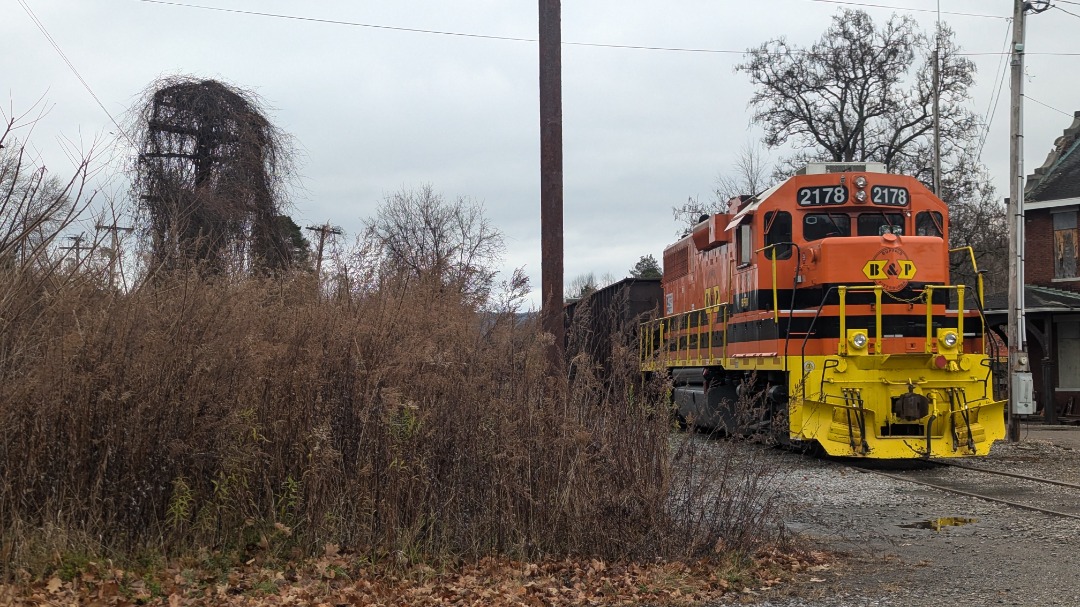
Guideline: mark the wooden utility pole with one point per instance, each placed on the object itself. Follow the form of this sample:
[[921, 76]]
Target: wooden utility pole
[[551, 180], [937, 104], [1018, 371], [77, 247], [323, 230], [937, 115], [114, 254]]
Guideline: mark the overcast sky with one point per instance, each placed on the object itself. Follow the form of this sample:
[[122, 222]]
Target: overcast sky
[[374, 109]]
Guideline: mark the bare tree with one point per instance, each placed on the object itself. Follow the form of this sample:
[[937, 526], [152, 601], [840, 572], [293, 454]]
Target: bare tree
[[34, 206], [582, 285], [423, 235], [865, 93], [211, 176], [750, 174]]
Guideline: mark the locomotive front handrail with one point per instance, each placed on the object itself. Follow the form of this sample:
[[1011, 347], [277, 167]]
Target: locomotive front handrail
[[843, 289], [930, 315]]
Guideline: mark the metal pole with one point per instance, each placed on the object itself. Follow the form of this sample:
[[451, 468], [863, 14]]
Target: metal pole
[[1018, 358], [937, 118], [551, 179]]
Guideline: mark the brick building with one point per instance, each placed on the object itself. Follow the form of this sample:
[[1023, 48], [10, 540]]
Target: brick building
[[1052, 276]]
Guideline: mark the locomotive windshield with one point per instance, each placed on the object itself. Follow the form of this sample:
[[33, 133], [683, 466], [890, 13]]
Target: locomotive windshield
[[878, 223], [873, 223], [823, 225]]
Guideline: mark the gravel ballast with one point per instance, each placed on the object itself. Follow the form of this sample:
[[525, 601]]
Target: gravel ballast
[[1001, 555]]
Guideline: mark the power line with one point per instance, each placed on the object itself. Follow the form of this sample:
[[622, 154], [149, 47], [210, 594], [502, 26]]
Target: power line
[[1029, 98], [571, 43], [1065, 11], [909, 9], [52, 41], [991, 109], [340, 22]]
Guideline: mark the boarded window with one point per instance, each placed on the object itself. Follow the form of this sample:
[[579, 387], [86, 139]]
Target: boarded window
[[1068, 347], [1065, 244]]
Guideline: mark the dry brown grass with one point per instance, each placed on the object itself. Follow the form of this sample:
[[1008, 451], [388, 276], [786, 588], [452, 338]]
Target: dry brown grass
[[397, 419]]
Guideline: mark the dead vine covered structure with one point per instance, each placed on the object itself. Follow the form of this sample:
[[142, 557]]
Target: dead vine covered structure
[[210, 178]]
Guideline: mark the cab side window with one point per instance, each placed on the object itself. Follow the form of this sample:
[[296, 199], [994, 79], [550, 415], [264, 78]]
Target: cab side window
[[778, 232], [929, 223], [746, 242]]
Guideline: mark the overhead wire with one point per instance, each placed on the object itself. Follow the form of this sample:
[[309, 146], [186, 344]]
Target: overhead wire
[[991, 109], [120, 129], [52, 41], [908, 8], [573, 43], [1065, 11], [1046, 105]]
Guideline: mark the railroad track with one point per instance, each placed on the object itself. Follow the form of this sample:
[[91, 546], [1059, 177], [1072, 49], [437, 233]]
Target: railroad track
[[1048, 496]]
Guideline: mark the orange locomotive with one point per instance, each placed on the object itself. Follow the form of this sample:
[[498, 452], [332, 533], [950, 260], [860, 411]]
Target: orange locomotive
[[822, 309]]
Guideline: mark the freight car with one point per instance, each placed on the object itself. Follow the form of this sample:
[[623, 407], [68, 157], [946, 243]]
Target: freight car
[[822, 310]]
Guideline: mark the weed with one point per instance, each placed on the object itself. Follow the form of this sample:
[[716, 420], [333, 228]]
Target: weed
[[399, 410]]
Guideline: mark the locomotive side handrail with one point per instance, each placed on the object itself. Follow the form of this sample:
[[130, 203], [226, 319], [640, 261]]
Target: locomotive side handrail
[[981, 303], [671, 334], [978, 274], [775, 293]]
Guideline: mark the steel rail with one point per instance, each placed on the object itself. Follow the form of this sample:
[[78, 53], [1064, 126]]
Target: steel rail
[[1025, 477], [969, 494]]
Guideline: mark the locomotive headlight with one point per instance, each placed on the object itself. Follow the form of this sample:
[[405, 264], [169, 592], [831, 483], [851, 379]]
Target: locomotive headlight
[[858, 340], [860, 182], [860, 196], [949, 339]]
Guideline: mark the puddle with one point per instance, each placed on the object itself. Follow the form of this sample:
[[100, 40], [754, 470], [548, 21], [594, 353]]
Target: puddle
[[938, 523]]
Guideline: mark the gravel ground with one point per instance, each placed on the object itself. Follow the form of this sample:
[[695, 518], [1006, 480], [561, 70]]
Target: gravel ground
[[1005, 555]]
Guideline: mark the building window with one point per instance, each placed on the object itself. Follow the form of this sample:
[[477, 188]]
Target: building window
[[1065, 244], [1068, 350]]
